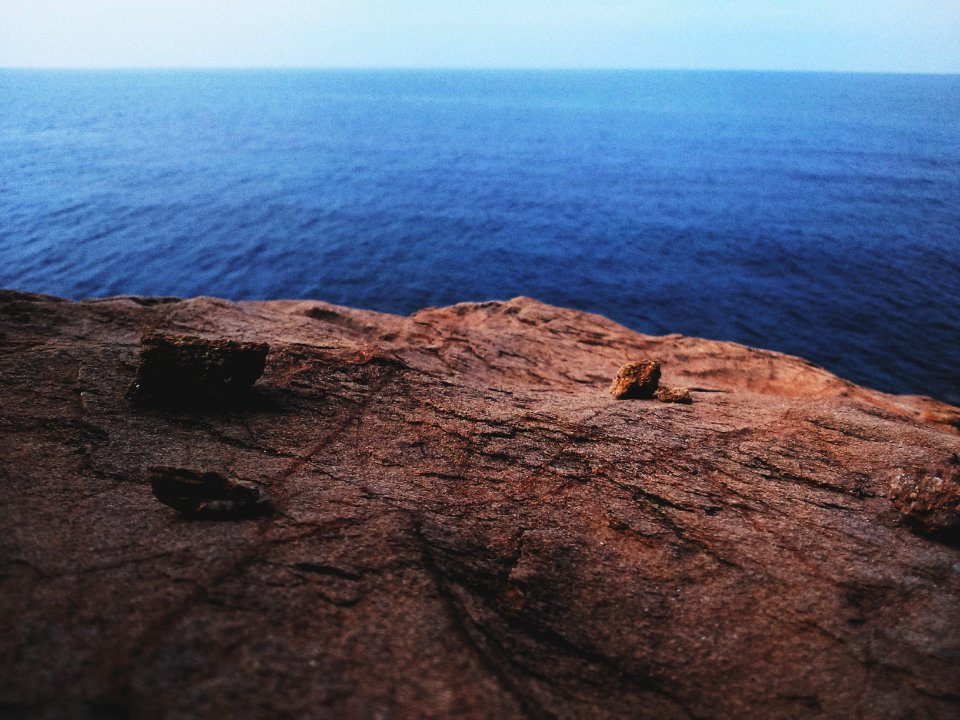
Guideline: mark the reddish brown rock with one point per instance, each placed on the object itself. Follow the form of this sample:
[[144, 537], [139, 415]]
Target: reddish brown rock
[[465, 525], [674, 395], [636, 380], [929, 499]]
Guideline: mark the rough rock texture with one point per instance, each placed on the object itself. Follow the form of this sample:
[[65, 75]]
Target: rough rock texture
[[466, 525], [636, 380], [674, 395], [929, 499]]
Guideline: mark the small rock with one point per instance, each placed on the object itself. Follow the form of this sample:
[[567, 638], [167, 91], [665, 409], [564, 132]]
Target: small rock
[[636, 380], [930, 501], [185, 370], [673, 395], [208, 495]]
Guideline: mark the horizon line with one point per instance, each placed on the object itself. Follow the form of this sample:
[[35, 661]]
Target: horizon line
[[455, 68]]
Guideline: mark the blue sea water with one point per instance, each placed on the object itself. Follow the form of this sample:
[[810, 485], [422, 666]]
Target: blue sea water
[[817, 214]]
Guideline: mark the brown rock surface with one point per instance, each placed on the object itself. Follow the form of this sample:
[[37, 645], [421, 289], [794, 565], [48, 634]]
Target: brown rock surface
[[466, 525], [929, 499]]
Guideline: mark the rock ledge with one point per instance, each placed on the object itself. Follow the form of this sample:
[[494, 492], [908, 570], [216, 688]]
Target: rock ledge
[[465, 524]]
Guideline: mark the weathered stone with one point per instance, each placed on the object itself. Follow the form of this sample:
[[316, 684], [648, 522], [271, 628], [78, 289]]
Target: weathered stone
[[929, 500], [207, 495], [465, 526], [187, 370], [673, 395], [636, 380]]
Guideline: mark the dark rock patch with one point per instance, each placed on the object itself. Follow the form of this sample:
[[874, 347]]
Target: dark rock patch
[[148, 301], [177, 370], [208, 495], [329, 316]]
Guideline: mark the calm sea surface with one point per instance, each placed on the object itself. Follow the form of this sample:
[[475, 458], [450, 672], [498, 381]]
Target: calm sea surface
[[810, 213]]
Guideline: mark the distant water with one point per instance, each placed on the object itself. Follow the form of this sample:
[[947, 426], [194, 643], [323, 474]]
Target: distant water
[[810, 213]]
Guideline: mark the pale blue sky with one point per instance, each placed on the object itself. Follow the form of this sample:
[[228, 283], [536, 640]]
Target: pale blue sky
[[876, 35]]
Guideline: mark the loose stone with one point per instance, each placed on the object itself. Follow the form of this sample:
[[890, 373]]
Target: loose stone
[[207, 495], [186, 370], [636, 380], [673, 395]]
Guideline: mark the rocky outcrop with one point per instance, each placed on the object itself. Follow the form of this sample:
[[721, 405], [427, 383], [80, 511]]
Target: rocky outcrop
[[464, 524]]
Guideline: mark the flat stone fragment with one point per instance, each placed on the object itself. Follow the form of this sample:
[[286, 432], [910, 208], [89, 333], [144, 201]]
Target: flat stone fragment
[[929, 502], [673, 395], [207, 495], [187, 370], [636, 380]]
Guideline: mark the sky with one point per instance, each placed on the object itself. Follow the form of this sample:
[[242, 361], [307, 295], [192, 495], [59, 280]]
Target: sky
[[831, 35]]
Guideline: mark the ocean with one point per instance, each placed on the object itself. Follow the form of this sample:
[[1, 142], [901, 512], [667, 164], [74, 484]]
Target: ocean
[[815, 214]]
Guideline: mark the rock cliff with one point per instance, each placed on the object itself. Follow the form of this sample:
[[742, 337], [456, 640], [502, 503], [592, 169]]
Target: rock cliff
[[463, 523]]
